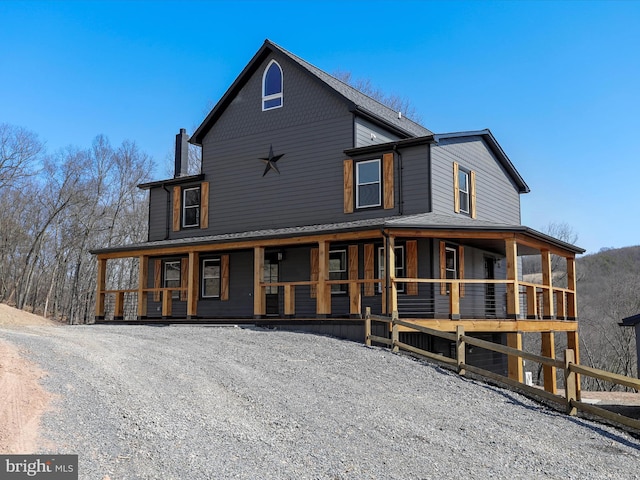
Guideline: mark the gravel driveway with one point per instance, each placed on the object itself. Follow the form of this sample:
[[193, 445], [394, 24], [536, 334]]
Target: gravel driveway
[[178, 402]]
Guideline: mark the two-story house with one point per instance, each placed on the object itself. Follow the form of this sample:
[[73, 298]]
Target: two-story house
[[316, 201]]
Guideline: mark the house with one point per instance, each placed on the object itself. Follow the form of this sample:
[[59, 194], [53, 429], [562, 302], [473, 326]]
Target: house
[[634, 321], [316, 201]]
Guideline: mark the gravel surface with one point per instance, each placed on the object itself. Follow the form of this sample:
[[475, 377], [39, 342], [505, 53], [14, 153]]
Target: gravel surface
[[144, 402]]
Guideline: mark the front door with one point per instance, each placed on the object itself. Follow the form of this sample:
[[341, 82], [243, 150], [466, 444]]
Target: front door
[[490, 288], [271, 274]]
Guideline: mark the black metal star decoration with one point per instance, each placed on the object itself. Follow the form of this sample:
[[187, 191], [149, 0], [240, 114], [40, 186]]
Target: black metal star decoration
[[270, 163]]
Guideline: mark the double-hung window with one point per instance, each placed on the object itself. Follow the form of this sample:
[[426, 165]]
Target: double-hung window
[[368, 184], [272, 86], [211, 278], [191, 207], [451, 263], [172, 277], [400, 268], [463, 191], [338, 270]]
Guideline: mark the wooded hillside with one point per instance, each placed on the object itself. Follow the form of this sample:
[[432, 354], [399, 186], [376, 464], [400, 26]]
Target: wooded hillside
[[55, 207], [608, 291]]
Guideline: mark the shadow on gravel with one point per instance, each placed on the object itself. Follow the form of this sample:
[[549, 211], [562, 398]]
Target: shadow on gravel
[[585, 423]]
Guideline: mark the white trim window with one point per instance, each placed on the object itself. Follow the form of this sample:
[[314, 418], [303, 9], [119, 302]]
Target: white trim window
[[172, 277], [338, 269], [191, 207], [211, 278], [463, 190], [451, 262], [399, 251], [272, 86], [368, 184]]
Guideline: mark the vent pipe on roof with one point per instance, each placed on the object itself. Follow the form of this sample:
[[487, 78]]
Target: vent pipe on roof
[[182, 154], [399, 115]]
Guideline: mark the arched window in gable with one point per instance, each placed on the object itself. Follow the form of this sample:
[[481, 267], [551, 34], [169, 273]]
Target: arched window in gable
[[272, 86]]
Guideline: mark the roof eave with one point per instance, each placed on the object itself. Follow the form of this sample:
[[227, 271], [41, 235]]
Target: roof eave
[[497, 151]]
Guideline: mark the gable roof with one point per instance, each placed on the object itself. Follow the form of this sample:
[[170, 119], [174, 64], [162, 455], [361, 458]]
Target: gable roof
[[360, 103], [495, 147]]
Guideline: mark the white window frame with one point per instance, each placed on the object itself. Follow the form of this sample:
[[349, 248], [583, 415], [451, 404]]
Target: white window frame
[[273, 96], [341, 288], [175, 294], [189, 207], [464, 191], [215, 261], [359, 184], [400, 266], [448, 270]]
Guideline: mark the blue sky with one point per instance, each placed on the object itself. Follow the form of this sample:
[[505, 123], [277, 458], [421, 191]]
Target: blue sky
[[558, 83]]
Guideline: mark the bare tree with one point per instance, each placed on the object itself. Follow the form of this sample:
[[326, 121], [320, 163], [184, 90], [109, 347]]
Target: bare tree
[[393, 101], [19, 151]]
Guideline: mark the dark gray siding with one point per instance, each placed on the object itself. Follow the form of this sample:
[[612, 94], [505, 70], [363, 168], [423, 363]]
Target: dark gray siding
[[368, 133], [311, 131], [158, 228], [240, 303], [497, 196], [412, 179]]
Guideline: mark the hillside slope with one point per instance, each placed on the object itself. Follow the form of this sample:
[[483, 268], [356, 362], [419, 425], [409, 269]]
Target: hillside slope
[[204, 402]]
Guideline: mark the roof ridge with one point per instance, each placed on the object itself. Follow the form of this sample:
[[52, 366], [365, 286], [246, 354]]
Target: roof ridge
[[317, 70]]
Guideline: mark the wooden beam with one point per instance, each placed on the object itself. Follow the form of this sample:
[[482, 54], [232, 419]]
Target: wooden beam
[[143, 278], [573, 343], [193, 284], [101, 287], [515, 364], [346, 236], [323, 302], [118, 310], [547, 281], [505, 325], [259, 299], [167, 303], [513, 295], [289, 299], [354, 287], [532, 302], [549, 372], [454, 301], [392, 288], [572, 303]]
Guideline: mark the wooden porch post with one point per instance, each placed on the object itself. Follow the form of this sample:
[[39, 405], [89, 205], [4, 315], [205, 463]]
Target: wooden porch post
[[547, 281], [143, 278], [574, 344], [323, 300], [513, 289], [259, 300], [193, 284], [101, 287], [549, 372], [355, 296], [572, 303], [391, 275], [514, 340], [515, 365]]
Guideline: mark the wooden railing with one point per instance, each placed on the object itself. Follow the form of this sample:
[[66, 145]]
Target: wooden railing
[[571, 399], [535, 301]]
